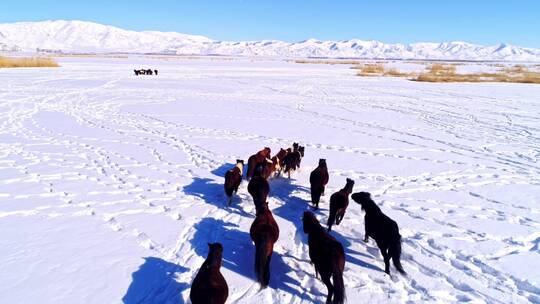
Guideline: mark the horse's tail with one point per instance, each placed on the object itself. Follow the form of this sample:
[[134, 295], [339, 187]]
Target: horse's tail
[[261, 258], [395, 252], [332, 216], [316, 192], [337, 276]]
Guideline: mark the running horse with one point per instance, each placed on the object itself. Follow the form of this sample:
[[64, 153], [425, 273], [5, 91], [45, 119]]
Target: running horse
[[257, 159], [264, 233]]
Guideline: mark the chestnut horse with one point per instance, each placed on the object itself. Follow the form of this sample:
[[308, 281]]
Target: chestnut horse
[[270, 168], [257, 159], [327, 255], [209, 286], [318, 180], [264, 233], [233, 178], [258, 186], [339, 202]]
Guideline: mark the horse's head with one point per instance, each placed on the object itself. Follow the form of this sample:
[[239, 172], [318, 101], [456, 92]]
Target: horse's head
[[349, 185], [215, 253], [309, 221], [301, 150], [365, 201], [322, 162], [240, 161]]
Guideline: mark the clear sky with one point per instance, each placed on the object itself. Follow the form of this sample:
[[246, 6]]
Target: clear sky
[[477, 21]]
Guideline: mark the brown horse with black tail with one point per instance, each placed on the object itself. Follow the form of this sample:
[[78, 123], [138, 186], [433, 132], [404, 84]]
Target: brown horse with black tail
[[258, 186], [327, 255], [339, 202], [209, 286], [264, 233], [318, 180], [257, 159], [233, 178]]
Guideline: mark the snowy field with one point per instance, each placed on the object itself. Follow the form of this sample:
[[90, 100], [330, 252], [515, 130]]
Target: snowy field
[[111, 184]]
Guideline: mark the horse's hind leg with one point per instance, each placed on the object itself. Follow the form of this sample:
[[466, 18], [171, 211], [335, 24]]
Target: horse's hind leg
[[386, 256], [326, 280]]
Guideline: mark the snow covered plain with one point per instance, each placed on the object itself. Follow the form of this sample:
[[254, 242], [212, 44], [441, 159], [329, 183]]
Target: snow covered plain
[[111, 184]]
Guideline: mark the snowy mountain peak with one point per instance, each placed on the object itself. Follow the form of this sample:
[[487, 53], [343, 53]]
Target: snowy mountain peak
[[82, 36]]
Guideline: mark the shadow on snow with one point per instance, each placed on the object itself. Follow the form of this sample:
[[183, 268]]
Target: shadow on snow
[[154, 282]]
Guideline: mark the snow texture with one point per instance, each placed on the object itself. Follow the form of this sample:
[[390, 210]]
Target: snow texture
[[111, 184]]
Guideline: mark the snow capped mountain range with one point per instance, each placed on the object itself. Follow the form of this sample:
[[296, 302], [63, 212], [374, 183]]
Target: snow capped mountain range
[[88, 37]]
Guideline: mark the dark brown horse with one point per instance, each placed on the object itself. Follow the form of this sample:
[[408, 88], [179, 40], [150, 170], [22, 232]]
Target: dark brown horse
[[209, 286], [292, 160], [258, 187], [257, 159], [382, 229], [328, 257], [339, 202], [280, 156], [264, 233], [318, 180], [233, 178]]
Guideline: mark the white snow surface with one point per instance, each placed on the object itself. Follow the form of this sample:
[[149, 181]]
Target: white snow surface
[[111, 184], [81, 36]]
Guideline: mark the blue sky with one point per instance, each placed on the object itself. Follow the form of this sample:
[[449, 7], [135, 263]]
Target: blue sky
[[478, 21]]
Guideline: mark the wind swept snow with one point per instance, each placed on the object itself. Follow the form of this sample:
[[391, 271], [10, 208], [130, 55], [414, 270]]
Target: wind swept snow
[[111, 184]]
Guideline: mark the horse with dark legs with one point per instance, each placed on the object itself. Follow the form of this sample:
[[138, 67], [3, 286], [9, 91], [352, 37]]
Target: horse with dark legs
[[264, 233], [327, 255], [280, 156], [233, 178], [382, 229], [209, 285], [318, 180], [257, 159], [136, 72], [292, 160], [156, 72], [258, 187], [339, 202]]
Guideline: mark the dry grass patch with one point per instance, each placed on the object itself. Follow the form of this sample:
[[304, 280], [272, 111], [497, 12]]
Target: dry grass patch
[[378, 69], [34, 62], [447, 73]]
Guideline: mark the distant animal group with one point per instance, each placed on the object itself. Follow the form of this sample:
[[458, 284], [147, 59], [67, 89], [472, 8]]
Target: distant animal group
[[145, 72], [326, 253]]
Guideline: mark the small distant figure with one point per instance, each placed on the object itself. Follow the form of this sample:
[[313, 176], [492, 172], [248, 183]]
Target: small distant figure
[[233, 178], [382, 229], [318, 180], [339, 202], [149, 72], [136, 72], [156, 72], [209, 285]]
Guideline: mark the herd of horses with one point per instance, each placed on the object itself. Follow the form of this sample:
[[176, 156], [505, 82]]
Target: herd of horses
[[326, 252], [145, 72]]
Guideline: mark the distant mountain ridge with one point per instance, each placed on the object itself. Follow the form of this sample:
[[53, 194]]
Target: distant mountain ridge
[[89, 37]]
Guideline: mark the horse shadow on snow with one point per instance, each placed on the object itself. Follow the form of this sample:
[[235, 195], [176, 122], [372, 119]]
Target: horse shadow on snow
[[154, 282]]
